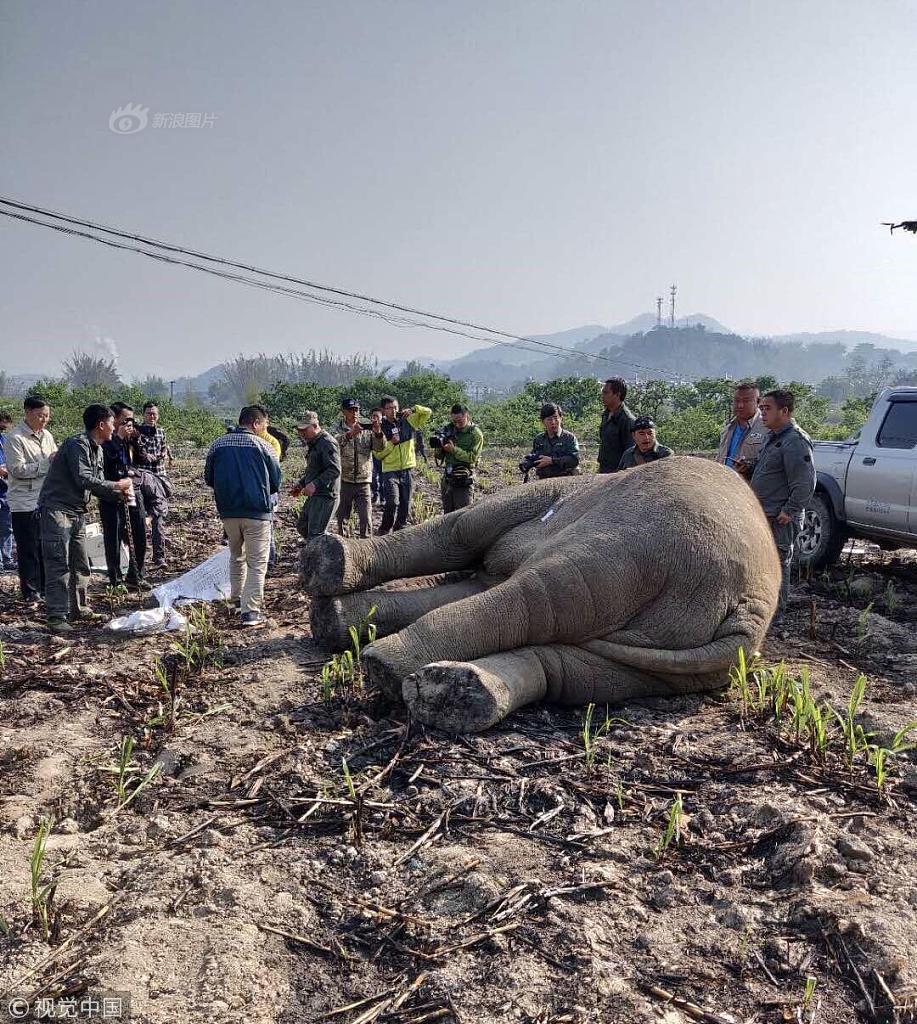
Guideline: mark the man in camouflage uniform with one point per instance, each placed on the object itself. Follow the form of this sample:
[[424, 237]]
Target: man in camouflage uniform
[[321, 482], [783, 478], [556, 451]]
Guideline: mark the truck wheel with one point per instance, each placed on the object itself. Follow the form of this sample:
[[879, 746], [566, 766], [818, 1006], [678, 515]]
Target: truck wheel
[[823, 537]]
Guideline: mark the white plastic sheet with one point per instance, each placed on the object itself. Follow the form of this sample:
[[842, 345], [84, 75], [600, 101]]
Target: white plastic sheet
[[208, 581], [151, 620]]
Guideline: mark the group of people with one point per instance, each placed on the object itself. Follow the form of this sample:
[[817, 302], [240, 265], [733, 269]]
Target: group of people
[[761, 442], [45, 491]]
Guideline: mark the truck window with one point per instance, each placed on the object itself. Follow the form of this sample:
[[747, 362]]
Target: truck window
[[899, 430]]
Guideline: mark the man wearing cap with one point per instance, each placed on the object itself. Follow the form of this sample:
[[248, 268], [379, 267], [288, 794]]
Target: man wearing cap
[[459, 447], [645, 447], [321, 482], [556, 451], [355, 443]]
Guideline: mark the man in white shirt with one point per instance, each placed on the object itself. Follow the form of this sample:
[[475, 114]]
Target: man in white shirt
[[29, 448]]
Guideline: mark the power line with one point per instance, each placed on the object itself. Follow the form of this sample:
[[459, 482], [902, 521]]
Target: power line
[[442, 322]]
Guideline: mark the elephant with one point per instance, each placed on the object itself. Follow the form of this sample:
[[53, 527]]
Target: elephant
[[642, 583]]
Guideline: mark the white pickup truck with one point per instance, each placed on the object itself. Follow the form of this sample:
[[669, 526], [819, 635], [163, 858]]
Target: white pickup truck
[[867, 486]]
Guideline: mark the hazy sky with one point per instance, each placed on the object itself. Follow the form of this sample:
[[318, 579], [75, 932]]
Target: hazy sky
[[532, 165]]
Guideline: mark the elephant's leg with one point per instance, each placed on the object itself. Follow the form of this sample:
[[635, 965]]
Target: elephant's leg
[[337, 565], [334, 565], [470, 696], [546, 604], [332, 617], [475, 695]]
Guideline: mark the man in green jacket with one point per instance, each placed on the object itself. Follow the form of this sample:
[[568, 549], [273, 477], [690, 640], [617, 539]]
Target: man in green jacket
[[393, 442], [457, 446], [321, 482], [75, 474]]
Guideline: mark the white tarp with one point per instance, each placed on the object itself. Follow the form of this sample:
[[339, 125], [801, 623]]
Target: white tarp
[[151, 620], [208, 581]]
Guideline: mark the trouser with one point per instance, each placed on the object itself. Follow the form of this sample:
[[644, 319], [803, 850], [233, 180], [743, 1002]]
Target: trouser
[[6, 534], [316, 515], [63, 550], [376, 485], [114, 532], [356, 496], [396, 492], [27, 531], [785, 538], [454, 496], [249, 546], [158, 530]]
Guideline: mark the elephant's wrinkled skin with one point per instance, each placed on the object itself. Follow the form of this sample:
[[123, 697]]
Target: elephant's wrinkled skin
[[602, 588]]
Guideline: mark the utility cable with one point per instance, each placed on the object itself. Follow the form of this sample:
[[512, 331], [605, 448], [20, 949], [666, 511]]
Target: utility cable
[[516, 341]]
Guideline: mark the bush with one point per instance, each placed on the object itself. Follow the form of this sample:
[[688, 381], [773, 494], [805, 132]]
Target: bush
[[182, 425]]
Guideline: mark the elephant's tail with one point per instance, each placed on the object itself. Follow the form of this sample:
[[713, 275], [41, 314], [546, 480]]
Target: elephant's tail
[[745, 628]]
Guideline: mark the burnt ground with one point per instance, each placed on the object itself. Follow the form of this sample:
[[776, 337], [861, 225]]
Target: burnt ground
[[515, 875]]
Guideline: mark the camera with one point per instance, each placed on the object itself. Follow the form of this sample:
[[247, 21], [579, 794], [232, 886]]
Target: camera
[[528, 463], [439, 437]]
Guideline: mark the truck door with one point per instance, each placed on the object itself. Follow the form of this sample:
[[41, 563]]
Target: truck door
[[880, 480]]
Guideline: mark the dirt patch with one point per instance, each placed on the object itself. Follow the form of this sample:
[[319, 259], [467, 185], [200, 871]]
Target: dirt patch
[[510, 876]]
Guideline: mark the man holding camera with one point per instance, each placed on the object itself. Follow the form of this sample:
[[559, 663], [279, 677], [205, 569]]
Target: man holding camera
[[393, 443], [457, 446], [556, 451], [123, 522], [356, 448]]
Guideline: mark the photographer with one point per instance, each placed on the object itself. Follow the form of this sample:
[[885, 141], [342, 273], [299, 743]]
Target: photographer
[[393, 444], [457, 447], [556, 451]]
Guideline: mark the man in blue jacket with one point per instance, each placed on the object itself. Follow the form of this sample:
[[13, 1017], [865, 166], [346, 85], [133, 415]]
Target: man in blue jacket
[[244, 472]]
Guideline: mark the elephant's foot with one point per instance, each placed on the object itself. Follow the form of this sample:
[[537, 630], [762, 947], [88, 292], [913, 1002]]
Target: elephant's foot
[[325, 564], [382, 672], [471, 696], [326, 619]]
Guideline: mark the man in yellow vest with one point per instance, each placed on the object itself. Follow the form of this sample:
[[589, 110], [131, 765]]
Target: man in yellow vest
[[393, 442]]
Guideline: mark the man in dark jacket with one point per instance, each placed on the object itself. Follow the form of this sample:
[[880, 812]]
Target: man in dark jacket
[[645, 447], [556, 451], [321, 482], [244, 472], [616, 426], [75, 474], [123, 523]]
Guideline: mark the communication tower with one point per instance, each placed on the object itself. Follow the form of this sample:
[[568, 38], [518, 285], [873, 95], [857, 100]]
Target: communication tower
[[672, 291]]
